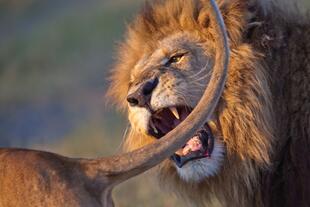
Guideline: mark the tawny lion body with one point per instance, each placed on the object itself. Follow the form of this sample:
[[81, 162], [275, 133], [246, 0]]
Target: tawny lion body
[[261, 153]]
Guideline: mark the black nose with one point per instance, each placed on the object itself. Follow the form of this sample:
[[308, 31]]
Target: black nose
[[143, 93]]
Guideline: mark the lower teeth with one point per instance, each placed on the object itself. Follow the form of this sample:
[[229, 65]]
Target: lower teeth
[[194, 144]]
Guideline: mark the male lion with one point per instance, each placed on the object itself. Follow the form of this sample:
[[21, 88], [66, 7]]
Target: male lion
[[254, 151]]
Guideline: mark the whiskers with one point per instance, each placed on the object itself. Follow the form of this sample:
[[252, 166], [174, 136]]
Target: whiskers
[[198, 81], [125, 135], [196, 76], [186, 99], [203, 69], [203, 78]]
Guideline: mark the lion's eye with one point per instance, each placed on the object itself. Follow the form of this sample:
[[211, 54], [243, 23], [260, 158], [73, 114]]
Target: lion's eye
[[174, 59]]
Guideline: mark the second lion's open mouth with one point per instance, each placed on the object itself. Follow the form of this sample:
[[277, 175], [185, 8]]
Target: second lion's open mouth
[[199, 146]]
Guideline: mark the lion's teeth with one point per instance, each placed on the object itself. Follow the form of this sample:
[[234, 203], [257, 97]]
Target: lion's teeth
[[175, 112], [154, 128]]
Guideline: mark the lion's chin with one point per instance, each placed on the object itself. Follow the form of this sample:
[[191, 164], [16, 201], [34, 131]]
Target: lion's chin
[[200, 169]]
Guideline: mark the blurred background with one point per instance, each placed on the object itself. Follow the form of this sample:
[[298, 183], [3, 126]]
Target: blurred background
[[54, 60]]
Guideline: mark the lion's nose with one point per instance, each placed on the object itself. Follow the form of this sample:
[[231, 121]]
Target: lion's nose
[[143, 93]]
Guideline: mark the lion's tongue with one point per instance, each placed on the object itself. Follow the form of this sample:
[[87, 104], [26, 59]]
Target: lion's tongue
[[193, 145]]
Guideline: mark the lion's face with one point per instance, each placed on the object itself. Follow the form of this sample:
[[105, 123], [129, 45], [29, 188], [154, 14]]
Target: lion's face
[[165, 85], [163, 67]]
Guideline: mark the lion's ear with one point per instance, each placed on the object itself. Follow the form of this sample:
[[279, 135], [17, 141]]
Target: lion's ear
[[235, 14]]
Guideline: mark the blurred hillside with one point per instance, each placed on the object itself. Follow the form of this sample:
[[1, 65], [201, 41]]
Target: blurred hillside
[[54, 59]]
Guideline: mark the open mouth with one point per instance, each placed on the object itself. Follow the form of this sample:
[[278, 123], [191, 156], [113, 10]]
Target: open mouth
[[199, 146]]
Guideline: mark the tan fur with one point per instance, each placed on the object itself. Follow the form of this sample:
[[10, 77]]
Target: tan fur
[[244, 121], [33, 178]]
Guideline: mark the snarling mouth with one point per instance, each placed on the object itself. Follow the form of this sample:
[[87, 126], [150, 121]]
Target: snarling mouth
[[199, 146]]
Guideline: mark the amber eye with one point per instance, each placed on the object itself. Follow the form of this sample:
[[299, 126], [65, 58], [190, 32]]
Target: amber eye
[[175, 59]]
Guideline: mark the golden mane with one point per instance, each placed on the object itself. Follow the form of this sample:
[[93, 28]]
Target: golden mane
[[244, 115]]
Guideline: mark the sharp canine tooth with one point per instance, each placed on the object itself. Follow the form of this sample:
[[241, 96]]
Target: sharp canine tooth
[[175, 112], [154, 128]]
